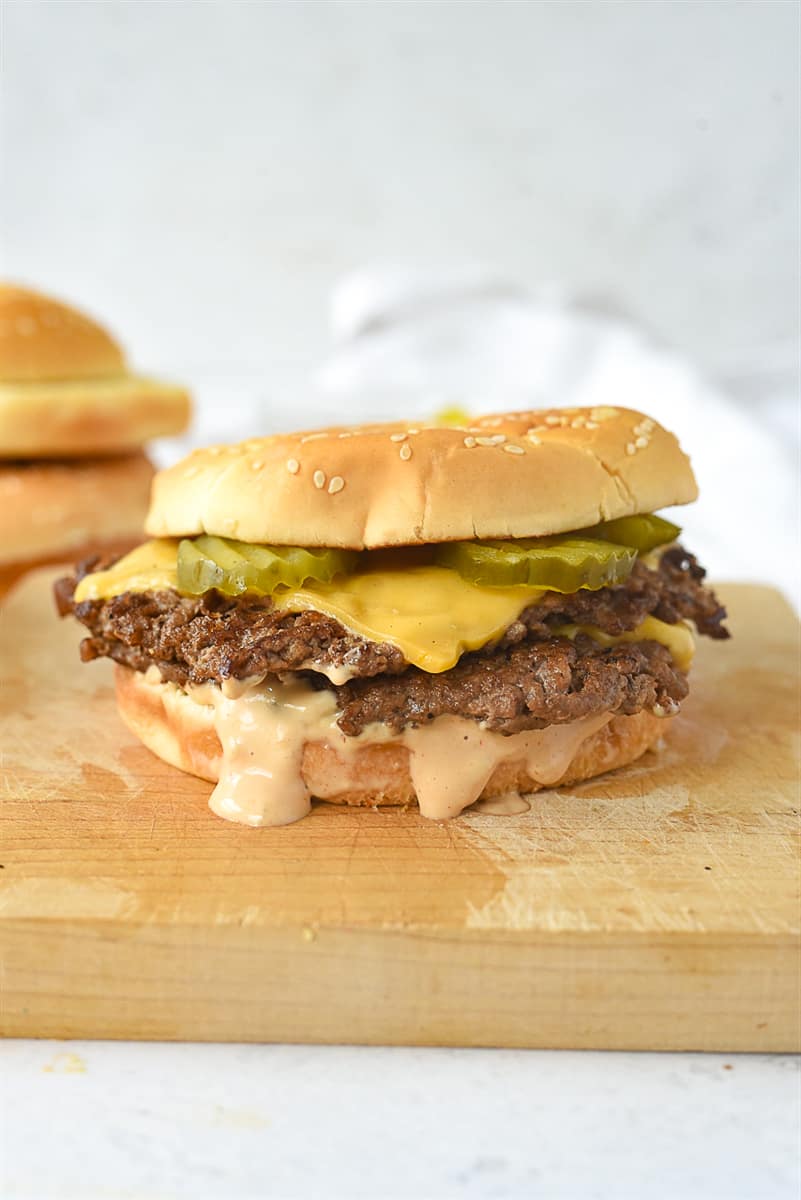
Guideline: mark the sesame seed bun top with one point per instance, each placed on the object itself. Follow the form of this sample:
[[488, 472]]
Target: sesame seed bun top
[[523, 474], [42, 339], [65, 389]]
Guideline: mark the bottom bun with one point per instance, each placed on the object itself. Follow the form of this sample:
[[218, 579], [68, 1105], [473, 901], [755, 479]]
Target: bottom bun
[[51, 511], [182, 733]]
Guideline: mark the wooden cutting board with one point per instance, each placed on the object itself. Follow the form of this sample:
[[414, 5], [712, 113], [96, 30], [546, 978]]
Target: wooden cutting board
[[657, 908]]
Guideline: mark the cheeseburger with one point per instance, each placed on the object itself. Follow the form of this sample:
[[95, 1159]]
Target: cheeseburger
[[73, 421], [390, 613]]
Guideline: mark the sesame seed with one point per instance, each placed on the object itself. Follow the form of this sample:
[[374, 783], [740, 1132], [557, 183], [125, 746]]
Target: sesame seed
[[510, 449], [256, 466], [631, 448], [345, 433], [641, 443], [406, 452], [293, 466], [648, 425], [469, 442], [535, 441], [313, 437], [485, 441], [319, 479], [592, 425], [552, 420], [336, 485], [412, 431], [398, 437], [578, 422], [498, 438]]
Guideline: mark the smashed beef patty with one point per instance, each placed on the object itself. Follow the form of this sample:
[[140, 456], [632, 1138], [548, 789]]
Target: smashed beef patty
[[522, 687], [213, 637], [529, 678]]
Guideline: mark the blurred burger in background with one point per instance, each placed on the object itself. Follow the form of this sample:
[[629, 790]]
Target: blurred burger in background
[[74, 477]]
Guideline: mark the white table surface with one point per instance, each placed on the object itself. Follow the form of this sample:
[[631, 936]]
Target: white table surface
[[89, 1120]]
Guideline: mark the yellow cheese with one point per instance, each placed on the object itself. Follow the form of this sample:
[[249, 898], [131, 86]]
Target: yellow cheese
[[151, 567], [677, 638], [430, 613]]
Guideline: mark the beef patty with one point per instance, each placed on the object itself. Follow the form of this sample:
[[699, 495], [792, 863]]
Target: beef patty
[[522, 687], [529, 678]]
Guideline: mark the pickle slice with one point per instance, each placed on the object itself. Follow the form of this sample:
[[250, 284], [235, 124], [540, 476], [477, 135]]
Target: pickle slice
[[233, 567], [556, 563], [644, 532]]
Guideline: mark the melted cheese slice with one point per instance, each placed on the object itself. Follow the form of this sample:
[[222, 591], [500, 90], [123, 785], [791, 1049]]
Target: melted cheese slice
[[677, 638], [151, 567], [430, 613]]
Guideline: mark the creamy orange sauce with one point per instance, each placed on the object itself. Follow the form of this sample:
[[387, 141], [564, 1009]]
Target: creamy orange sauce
[[263, 727], [452, 759], [510, 804]]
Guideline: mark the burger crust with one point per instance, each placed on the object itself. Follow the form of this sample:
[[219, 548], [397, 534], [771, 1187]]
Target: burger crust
[[53, 510], [525, 474], [65, 390], [181, 732]]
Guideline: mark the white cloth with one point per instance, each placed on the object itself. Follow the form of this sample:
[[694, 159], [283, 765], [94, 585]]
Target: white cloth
[[409, 342]]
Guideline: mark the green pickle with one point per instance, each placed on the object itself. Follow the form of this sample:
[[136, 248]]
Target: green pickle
[[592, 558], [643, 532], [233, 567], [560, 564]]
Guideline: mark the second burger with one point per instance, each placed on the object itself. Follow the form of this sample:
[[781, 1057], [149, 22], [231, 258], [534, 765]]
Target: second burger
[[74, 419]]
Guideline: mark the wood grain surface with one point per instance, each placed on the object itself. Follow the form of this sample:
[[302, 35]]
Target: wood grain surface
[[656, 908]]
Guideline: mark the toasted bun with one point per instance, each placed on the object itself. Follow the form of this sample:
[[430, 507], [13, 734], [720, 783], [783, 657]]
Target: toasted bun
[[518, 475], [182, 733], [65, 389], [42, 339], [54, 509], [99, 416]]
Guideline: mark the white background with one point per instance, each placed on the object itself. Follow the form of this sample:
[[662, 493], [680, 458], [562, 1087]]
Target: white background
[[200, 175]]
